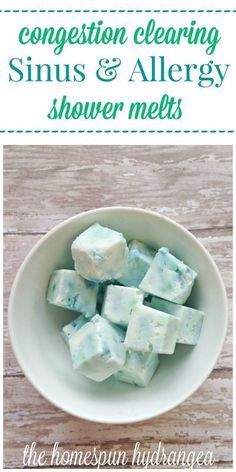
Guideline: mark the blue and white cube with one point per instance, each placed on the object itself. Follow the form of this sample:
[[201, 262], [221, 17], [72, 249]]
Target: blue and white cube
[[169, 278], [151, 330], [139, 368], [190, 320], [138, 262], [97, 349], [119, 302], [100, 253], [68, 289]]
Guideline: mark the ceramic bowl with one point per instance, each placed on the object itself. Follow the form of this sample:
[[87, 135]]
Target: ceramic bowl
[[43, 356]]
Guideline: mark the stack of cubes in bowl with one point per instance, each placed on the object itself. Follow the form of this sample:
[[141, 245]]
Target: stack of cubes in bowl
[[130, 303]]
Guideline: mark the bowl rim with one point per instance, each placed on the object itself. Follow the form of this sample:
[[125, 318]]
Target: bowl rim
[[31, 253]]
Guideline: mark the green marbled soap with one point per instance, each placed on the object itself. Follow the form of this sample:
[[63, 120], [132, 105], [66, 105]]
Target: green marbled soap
[[68, 289], [168, 278]]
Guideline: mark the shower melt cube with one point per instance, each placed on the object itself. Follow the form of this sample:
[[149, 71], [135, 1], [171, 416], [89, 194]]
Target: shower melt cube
[[99, 253], [119, 302], [151, 330], [169, 278], [97, 349], [69, 290], [139, 368], [190, 320], [138, 262], [71, 328]]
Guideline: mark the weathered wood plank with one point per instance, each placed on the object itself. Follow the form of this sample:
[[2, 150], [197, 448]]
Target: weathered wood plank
[[194, 425], [191, 184], [46, 184], [218, 242]]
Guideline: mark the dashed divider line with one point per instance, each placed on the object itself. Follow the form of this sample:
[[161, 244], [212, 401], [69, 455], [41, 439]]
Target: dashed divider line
[[116, 131], [119, 11]]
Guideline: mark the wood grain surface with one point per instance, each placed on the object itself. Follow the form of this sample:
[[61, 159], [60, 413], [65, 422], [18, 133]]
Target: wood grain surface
[[44, 185]]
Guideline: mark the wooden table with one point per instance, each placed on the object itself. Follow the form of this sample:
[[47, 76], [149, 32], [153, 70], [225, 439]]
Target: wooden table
[[46, 184]]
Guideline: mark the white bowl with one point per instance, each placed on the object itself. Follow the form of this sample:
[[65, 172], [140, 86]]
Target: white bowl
[[40, 350]]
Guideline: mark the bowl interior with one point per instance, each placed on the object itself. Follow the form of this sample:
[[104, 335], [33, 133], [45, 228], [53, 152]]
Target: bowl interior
[[35, 325]]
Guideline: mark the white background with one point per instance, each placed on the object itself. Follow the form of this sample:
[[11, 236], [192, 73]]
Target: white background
[[25, 105]]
